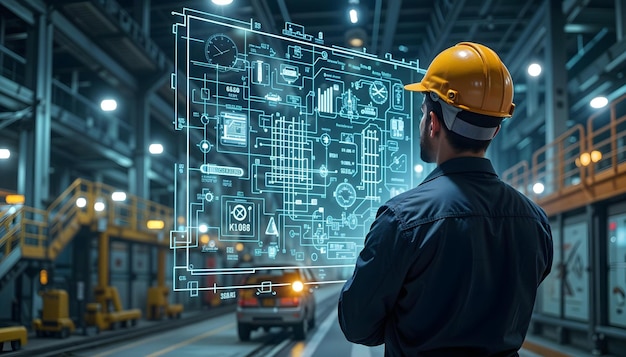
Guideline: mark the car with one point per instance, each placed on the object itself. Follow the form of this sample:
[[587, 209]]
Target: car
[[277, 296]]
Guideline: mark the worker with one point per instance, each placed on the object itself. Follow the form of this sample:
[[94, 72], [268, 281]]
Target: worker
[[452, 266]]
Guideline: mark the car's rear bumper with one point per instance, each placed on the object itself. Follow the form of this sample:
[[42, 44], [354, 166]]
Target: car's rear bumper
[[270, 316]]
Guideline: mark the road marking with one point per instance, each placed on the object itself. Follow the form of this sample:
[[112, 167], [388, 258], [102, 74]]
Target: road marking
[[319, 334], [191, 340], [127, 346]]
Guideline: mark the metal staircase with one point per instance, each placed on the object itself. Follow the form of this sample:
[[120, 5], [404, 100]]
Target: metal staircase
[[32, 235]]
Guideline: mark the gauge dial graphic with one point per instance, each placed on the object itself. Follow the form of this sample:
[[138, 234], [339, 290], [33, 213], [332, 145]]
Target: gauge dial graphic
[[378, 92], [345, 194], [221, 50]]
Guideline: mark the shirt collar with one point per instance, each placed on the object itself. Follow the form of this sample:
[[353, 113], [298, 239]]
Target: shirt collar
[[462, 165]]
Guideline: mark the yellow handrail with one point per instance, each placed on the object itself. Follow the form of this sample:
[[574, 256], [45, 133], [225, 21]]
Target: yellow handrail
[[574, 163], [42, 234]]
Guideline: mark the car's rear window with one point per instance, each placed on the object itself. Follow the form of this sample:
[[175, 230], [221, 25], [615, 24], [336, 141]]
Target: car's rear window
[[276, 276]]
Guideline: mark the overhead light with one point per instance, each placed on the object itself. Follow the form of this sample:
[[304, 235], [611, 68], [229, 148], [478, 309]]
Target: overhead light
[[354, 16], [355, 37], [222, 2], [418, 168], [14, 199], [599, 102], [99, 206], [156, 149], [118, 196], [356, 42], [108, 105], [538, 188], [203, 228], [534, 69], [5, 154], [155, 224], [81, 202]]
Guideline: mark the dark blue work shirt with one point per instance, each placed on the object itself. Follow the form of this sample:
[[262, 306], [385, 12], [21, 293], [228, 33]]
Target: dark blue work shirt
[[449, 268]]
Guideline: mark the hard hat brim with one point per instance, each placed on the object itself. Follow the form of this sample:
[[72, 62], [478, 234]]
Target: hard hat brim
[[416, 87]]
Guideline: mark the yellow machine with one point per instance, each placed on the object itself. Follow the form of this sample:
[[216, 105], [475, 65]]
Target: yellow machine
[[107, 313], [159, 306], [16, 335], [55, 318]]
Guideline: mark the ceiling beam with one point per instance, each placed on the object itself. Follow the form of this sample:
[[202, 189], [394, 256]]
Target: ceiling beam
[[80, 42], [443, 33], [391, 21], [376, 27], [527, 42]]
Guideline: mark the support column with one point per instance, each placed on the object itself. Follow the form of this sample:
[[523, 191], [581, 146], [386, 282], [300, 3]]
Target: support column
[[598, 275], [81, 271], [142, 15], [139, 181], [161, 266], [557, 107], [103, 260], [34, 160], [130, 273], [620, 19]]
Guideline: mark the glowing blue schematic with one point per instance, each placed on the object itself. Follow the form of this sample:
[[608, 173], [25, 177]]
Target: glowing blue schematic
[[292, 145]]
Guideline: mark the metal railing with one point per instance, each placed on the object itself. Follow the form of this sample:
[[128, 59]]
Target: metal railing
[[26, 229], [576, 159], [42, 234]]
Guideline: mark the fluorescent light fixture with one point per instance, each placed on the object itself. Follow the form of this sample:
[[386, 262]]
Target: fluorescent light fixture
[[5, 154], [356, 42], [81, 202], [599, 102], [156, 149], [534, 69], [155, 224], [118, 196], [538, 188], [14, 199], [99, 206], [222, 2], [108, 105], [354, 16]]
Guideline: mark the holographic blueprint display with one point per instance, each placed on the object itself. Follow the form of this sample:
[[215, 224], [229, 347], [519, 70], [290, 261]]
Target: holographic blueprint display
[[292, 145]]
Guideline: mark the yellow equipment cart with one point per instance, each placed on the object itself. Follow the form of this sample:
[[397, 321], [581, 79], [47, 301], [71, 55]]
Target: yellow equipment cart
[[55, 318]]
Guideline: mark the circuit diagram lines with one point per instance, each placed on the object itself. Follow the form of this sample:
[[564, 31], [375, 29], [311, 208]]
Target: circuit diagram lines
[[292, 144]]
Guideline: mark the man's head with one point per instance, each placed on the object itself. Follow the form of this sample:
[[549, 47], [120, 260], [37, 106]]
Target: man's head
[[468, 91]]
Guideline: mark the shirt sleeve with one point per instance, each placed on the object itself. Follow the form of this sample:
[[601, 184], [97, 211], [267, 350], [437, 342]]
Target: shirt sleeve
[[368, 297]]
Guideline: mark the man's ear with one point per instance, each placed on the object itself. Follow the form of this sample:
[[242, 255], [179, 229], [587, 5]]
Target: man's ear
[[435, 124]]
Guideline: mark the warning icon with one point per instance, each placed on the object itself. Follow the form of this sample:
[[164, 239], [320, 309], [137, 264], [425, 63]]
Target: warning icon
[[271, 230]]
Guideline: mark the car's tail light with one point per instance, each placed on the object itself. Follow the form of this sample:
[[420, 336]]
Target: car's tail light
[[289, 301], [297, 286], [248, 302]]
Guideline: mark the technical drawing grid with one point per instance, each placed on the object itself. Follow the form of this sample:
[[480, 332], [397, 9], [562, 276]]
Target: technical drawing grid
[[292, 146]]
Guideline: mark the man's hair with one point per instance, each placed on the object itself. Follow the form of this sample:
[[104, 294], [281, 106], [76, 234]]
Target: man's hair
[[459, 142]]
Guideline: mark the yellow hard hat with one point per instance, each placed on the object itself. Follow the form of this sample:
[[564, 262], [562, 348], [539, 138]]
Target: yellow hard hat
[[471, 77]]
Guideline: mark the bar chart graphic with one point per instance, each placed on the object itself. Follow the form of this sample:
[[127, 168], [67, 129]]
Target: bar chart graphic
[[326, 99]]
